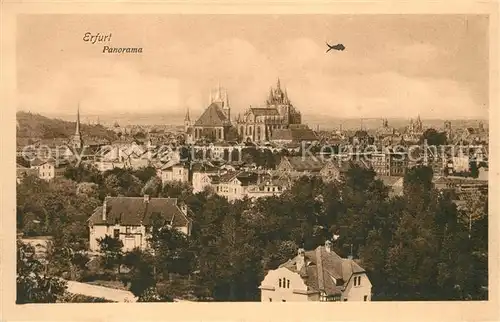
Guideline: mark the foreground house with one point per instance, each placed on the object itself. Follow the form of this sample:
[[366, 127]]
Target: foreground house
[[130, 219], [316, 275]]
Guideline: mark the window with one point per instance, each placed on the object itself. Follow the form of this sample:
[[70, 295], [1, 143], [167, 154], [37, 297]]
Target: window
[[116, 233], [287, 283], [359, 280], [280, 282], [270, 299], [345, 300], [127, 230], [366, 298], [283, 300]]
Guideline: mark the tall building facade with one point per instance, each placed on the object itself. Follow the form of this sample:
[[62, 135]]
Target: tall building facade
[[215, 122], [255, 125], [258, 124]]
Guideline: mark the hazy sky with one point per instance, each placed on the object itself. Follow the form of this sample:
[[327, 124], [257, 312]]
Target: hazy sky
[[393, 66]]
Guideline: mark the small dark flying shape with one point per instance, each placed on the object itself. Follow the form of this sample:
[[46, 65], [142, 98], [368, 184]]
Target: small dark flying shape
[[336, 47]]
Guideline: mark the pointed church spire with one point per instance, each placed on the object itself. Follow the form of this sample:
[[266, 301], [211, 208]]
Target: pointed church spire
[[219, 93], [187, 116], [77, 130], [226, 98], [77, 138], [278, 84]]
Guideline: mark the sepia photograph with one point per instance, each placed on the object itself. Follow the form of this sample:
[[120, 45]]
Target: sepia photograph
[[252, 158]]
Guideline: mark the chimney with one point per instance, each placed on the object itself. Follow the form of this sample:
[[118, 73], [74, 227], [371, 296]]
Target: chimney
[[146, 198], [104, 208], [328, 246], [301, 259]]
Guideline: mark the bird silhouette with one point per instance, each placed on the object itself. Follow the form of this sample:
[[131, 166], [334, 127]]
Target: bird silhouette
[[335, 47]]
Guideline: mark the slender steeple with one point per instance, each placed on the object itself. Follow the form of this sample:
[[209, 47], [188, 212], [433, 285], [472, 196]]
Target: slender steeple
[[77, 131], [226, 99], [278, 84], [77, 138], [187, 121]]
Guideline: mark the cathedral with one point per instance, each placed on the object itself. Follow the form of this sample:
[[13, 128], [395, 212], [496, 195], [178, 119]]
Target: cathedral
[[255, 125], [214, 124], [258, 124]]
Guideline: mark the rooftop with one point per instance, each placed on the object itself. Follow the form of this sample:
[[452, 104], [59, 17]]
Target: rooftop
[[136, 211], [324, 270]]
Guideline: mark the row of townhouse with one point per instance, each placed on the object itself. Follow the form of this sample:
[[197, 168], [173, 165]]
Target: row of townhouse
[[228, 181]]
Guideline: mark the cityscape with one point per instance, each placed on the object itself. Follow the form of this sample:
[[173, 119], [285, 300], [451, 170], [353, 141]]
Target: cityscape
[[252, 202]]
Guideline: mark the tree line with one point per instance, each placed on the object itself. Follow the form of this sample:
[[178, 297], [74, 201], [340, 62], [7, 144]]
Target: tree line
[[417, 246]]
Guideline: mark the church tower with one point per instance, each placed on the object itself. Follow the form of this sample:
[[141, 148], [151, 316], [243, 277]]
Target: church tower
[[187, 121], [225, 105], [77, 138], [222, 99]]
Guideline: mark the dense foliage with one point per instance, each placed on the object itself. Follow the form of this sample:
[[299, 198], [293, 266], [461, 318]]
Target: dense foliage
[[417, 246], [33, 284]]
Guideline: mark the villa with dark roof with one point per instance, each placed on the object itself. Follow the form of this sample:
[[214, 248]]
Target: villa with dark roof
[[317, 275], [130, 219]]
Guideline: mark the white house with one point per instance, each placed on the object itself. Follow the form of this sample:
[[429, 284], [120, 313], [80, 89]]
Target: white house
[[49, 169], [130, 219], [316, 275], [176, 172]]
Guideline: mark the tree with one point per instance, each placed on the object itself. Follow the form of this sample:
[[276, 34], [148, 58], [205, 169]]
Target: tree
[[121, 182], [170, 248], [177, 189], [434, 137], [145, 174], [88, 189], [141, 275], [112, 251], [83, 173], [153, 187], [33, 284]]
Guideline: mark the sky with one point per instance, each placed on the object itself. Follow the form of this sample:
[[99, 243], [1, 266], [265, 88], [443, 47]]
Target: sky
[[394, 66]]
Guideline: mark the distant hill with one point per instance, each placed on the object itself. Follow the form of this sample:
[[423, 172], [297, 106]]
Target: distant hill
[[38, 126]]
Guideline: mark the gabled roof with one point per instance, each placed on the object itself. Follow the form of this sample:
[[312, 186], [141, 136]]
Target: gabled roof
[[322, 267], [213, 116], [134, 211]]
